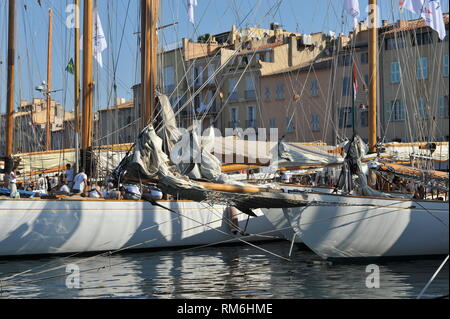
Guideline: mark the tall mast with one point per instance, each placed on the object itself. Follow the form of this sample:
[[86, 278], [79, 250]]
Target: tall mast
[[77, 84], [88, 85], [10, 85], [48, 140], [149, 46], [373, 50]]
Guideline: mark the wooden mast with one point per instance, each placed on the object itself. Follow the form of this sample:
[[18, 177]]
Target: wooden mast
[[149, 46], [88, 85], [10, 84], [48, 139], [77, 84], [373, 53]]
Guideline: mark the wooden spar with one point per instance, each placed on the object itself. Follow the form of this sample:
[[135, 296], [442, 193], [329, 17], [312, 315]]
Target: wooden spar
[[48, 131], [231, 188], [373, 52], [411, 171], [419, 144], [10, 84], [227, 168], [88, 85], [149, 46], [77, 83], [214, 186]]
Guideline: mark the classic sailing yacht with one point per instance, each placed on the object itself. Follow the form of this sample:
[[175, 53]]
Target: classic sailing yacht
[[74, 225], [366, 222]]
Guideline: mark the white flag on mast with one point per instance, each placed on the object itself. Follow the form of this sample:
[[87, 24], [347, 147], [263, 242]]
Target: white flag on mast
[[99, 40], [191, 4], [352, 8], [100, 43], [431, 11]]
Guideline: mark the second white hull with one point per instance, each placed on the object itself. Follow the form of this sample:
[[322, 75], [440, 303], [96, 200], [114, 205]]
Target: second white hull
[[337, 226]]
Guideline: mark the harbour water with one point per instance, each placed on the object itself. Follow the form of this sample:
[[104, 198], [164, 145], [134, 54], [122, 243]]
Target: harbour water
[[217, 272]]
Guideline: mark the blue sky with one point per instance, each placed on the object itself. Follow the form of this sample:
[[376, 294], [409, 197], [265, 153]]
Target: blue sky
[[121, 16]]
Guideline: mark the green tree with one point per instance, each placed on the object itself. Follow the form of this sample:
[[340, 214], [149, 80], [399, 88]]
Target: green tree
[[204, 38]]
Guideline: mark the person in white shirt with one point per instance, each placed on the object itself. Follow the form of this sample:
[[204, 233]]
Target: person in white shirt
[[132, 192], [69, 175], [12, 185], [109, 193], [54, 182], [94, 192], [285, 177], [41, 184], [64, 188], [79, 182]]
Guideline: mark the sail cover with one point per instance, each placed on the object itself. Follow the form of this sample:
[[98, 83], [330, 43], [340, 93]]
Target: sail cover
[[287, 154], [189, 151], [169, 131]]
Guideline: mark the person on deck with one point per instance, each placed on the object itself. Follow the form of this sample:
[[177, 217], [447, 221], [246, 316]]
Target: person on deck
[[110, 192], [54, 181], [12, 184], [396, 184], [94, 192], [48, 184], [79, 182], [41, 184], [69, 175], [131, 192], [64, 188]]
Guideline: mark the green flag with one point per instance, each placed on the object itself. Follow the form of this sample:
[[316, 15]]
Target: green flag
[[70, 67]]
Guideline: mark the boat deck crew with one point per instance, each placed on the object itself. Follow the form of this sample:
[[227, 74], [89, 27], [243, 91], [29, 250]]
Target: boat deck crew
[[54, 181], [69, 175], [12, 184], [64, 188], [94, 192], [79, 182], [41, 184], [110, 192], [152, 193], [285, 177], [131, 192]]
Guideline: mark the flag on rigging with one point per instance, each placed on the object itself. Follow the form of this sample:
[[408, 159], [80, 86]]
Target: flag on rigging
[[191, 4], [352, 8], [70, 67], [430, 10], [355, 82], [99, 39]]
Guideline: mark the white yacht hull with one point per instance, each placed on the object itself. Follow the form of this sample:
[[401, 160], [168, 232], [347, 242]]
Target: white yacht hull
[[277, 216], [37, 226], [338, 226]]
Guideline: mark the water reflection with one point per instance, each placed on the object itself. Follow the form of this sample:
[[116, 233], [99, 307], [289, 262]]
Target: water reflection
[[219, 272]]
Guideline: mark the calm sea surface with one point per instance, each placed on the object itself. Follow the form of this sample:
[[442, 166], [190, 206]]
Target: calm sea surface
[[217, 272]]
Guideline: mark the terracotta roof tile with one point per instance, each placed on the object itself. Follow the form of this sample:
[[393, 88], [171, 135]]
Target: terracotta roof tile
[[412, 25]]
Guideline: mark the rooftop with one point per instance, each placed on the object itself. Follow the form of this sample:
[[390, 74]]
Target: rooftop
[[403, 25], [125, 105], [319, 64]]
